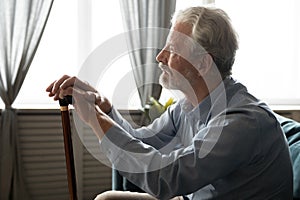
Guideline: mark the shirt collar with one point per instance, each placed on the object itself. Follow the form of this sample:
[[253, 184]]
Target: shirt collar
[[210, 105]]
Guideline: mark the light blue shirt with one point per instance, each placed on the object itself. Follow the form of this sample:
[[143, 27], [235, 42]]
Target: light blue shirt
[[229, 147]]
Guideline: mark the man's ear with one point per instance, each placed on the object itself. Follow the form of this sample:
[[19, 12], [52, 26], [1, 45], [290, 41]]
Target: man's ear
[[205, 64]]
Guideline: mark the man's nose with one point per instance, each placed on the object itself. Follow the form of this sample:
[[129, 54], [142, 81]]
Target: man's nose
[[162, 56]]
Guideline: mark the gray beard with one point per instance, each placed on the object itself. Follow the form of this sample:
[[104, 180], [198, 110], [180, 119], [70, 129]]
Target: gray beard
[[165, 81]]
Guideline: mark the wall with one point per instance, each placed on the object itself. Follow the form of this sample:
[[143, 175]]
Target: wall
[[43, 158], [42, 152]]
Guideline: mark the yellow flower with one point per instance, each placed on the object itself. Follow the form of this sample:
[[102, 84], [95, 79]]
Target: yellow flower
[[168, 103], [156, 109]]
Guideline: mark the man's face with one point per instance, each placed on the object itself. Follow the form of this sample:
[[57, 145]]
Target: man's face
[[175, 59]]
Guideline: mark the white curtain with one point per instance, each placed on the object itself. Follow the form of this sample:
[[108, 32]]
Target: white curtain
[[22, 23], [147, 22]]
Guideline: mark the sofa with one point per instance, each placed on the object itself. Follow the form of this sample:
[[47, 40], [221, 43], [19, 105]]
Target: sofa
[[291, 130]]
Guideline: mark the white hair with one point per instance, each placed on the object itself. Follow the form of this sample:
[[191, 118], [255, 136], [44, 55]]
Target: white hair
[[212, 29]]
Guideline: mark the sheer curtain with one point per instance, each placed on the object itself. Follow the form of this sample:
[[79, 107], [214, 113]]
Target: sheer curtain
[[22, 23], [147, 22]]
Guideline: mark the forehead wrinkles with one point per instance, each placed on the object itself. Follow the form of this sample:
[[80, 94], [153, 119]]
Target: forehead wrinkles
[[178, 39], [180, 30]]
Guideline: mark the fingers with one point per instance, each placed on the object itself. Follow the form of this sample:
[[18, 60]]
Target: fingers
[[82, 85], [49, 88], [65, 81], [54, 87], [64, 92], [78, 95], [60, 87]]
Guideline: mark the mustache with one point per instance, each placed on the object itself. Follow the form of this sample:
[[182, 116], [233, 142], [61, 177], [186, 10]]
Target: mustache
[[164, 67]]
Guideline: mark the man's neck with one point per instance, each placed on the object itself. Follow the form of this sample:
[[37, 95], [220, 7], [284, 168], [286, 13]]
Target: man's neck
[[201, 89]]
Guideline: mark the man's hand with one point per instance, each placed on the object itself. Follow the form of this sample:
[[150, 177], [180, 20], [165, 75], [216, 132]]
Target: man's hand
[[67, 85], [88, 103]]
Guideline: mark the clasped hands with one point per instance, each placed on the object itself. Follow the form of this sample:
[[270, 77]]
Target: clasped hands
[[89, 104]]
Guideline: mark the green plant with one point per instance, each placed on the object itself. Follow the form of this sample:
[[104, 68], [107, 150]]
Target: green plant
[[155, 109]]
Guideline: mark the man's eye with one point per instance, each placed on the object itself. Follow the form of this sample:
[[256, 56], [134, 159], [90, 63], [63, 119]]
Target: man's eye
[[171, 49]]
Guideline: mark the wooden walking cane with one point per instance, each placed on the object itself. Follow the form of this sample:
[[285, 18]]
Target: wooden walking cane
[[65, 117]]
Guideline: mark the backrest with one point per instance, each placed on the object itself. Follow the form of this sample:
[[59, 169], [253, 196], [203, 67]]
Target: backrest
[[291, 128]]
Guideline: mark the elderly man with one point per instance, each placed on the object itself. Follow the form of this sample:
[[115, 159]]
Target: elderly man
[[218, 142]]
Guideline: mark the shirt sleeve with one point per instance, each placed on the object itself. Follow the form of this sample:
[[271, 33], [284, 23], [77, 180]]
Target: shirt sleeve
[[228, 142], [161, 134]]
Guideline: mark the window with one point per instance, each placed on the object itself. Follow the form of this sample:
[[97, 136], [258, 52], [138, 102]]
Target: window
[[73, 31], [56, 55], [267, 61]]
